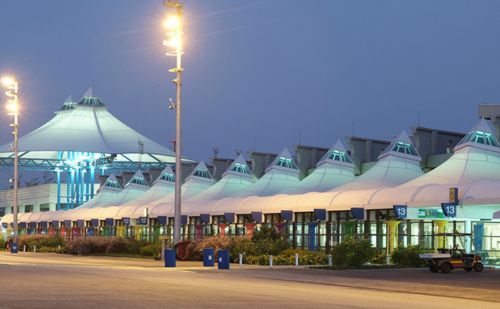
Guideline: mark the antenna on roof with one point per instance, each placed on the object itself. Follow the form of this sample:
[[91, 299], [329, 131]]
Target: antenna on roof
[[216, 151], [238, 152], [88, 93]]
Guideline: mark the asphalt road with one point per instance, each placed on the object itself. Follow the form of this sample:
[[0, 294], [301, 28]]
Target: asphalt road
[[57, 281]]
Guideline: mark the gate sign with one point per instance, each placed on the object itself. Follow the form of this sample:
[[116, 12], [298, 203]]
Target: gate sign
[[142, 221], [449, 209], [453, 199], [126, 220], [401, 211]]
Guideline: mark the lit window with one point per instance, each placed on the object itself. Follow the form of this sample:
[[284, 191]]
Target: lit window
[[404, 148], [202, 174], [480, 137], [286, 162], [241, 168], [339, 156], [167, 177]]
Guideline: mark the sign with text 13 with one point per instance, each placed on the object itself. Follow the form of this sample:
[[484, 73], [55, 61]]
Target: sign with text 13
[[449, 209], [400, 211]]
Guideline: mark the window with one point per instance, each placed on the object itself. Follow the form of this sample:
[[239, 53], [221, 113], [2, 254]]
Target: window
[[241, 168], [286, 162], [405, 148], [28, 208], [480, 137], [44, 207], [339, 156], [139, 181], [202, 174], [167, 177]]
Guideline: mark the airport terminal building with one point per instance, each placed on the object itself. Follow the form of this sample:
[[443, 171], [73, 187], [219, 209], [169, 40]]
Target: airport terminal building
[[432, 188]]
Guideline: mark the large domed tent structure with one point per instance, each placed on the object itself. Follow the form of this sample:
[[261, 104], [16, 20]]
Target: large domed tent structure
[[81, 140]]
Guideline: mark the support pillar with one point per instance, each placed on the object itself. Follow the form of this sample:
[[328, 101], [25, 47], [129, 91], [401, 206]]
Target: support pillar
[[441, 228], [58, 190], [392, 237], [92, 181]]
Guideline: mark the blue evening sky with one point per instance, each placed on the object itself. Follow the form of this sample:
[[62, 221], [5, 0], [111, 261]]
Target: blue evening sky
[[259, 75]]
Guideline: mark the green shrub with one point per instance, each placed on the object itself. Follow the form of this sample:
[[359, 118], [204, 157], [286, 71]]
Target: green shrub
[[287, 257], [409, 256], [242, 245], [117, 245], [2, 244], [40, 241], [214, 242], [150, 250], [267, 240], [352, 253], [257, 259], [379, 257]]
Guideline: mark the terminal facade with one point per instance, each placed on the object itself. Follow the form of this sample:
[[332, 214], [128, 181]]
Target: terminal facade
[[432, 188]]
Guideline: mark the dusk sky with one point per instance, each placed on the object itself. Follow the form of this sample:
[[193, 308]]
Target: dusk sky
[[259, 75]]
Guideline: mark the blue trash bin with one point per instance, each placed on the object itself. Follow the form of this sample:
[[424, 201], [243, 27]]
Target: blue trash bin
[[169, 255], [13, 248], [223, 259], [208, 257]]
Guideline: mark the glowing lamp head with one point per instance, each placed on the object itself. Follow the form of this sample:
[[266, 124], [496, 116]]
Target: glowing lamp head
[[173, 42], [12, 108], [8, 81], [172, 22]]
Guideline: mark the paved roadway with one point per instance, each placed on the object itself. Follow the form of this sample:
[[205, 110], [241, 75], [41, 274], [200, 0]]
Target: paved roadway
[[56, 281]]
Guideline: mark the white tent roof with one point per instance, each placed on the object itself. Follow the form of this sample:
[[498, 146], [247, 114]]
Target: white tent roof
[[398, 164], [282, 173], [135, 187], [474, 166], [87, 126], [236, 177], [199, 180], [334, 169]]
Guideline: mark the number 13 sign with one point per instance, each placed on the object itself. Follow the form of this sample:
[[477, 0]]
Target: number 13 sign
[[449, 209]]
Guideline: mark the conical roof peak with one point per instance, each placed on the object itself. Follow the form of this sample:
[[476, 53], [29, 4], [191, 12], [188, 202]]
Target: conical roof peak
[[138, 179], [112, 182], [401, 146], [201, 171], [68, 104], [167, 175], [484, 125], [89, 99], [481, 135], [238, 166], [283, 160], [336, 154]]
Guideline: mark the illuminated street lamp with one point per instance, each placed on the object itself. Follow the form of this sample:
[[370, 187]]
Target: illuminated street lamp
[[11, 84], [173, 24]]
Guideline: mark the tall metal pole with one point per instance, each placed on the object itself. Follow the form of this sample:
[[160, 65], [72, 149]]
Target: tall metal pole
[[176, 42], [13, 109], [16, 174]]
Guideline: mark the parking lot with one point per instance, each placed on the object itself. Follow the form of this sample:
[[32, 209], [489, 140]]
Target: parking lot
[[49, 280]]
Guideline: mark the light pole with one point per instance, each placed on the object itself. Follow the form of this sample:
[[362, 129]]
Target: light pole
[[13, 109], [173, 24]]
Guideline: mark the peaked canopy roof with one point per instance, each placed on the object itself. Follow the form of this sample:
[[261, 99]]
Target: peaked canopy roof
[[199, 180], [335, 168], [280, 174], [393, 168], [236, 177], [476, 159], [87, 127]]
